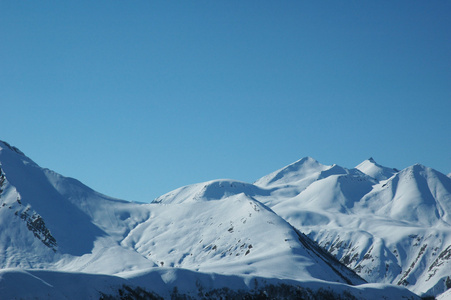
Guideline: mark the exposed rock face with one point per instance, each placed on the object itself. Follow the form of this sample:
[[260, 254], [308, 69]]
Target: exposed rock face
[[36, 224]]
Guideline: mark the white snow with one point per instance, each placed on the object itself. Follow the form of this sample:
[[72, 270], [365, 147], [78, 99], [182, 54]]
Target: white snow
[[45, 284], [226, 233], [445, 296], [373, 169]]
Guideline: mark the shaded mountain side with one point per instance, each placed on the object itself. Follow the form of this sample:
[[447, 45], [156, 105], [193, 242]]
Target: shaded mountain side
[[338, 267], [38, 203], [167, 283]]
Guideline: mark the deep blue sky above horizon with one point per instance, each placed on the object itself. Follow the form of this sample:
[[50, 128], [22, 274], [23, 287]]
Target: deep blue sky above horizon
[[136, 98]]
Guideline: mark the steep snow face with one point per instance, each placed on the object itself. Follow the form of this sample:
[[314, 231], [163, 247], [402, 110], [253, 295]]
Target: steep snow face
[[25, 240], [373, 169], [114, 216], [49, 221], [67, 205], [30, 197]]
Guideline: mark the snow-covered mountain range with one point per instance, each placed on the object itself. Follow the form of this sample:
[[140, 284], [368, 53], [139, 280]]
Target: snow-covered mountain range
[[387, 225], [284, 235]]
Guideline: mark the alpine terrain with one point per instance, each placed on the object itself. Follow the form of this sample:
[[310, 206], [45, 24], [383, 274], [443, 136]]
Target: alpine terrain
[[306, 231]]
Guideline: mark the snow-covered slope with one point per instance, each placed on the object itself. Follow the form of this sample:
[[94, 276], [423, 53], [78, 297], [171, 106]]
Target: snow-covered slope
[[49, 221], [176, 283], [230, 236], [294, 174], [417, 194], [57, 231], [388, 226]]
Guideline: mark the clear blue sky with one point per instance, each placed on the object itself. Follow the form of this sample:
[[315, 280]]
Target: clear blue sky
[[136, 98]]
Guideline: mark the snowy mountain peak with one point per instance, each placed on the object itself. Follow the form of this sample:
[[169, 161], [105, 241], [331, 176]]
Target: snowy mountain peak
[[305, 159], [210, 190], [292, 173], [416, 194], [371, 168], [418, 169], [391, 231]]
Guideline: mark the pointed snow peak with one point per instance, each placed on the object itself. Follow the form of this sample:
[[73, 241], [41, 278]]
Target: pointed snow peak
[[307, 158], [371, 168], [369, 161], [305, 162], [301, 162], [292, 173]]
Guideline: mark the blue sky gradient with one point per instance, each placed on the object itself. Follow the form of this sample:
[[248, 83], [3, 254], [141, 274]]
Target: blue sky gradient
[[136, 98]]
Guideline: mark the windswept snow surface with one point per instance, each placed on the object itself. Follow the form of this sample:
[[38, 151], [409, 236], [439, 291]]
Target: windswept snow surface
[[224, 233]]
